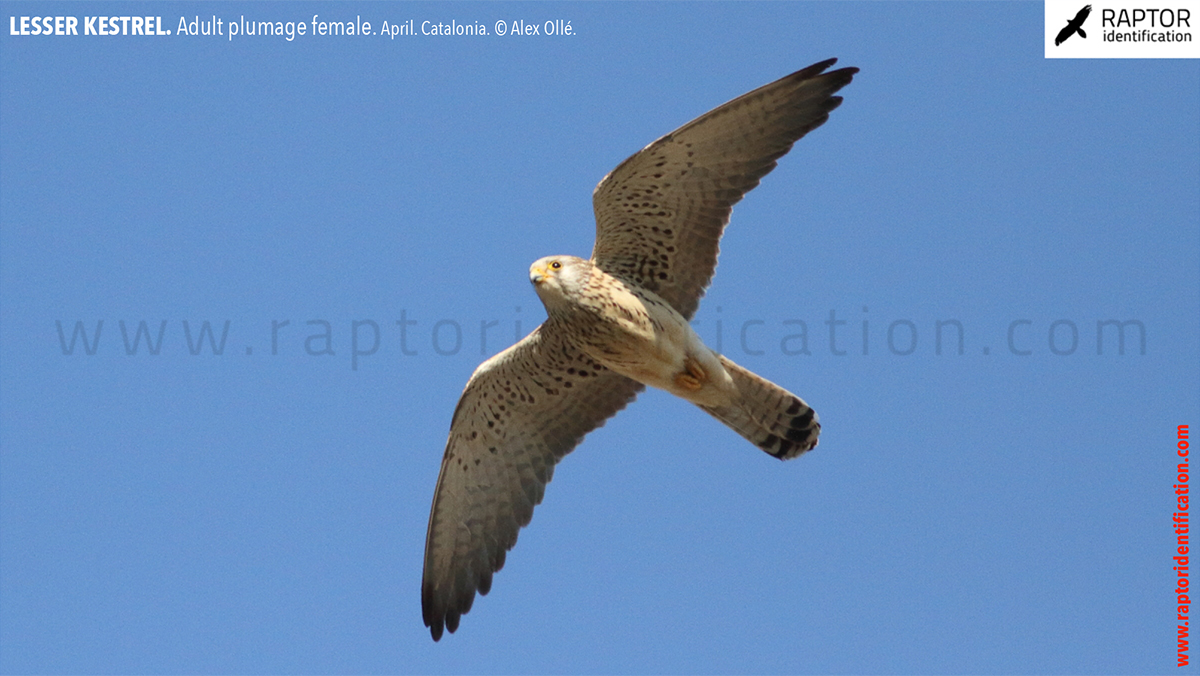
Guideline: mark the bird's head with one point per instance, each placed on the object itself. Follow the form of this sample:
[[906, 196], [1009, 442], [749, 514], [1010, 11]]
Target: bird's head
[[559, 279]]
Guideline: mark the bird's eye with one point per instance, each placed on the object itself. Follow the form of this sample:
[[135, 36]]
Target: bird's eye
[[555, 265]]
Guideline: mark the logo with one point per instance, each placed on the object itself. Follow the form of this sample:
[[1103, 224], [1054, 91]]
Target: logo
[[1074, 26], [1122, 29]]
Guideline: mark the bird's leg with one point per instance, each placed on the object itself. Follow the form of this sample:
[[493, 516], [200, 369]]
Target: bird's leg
[[693, 376]]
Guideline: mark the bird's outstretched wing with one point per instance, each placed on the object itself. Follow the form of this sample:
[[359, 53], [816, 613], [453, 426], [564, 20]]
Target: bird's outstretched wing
[[660, 213], [521, 412]]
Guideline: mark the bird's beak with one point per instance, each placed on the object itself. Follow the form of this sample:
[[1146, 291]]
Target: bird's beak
[[537, 274]]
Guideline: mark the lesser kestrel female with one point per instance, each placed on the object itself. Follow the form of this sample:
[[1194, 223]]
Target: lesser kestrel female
[[616, 323]]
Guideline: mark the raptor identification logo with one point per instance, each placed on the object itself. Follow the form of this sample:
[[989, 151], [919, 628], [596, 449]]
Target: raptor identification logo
[[1122, 29]]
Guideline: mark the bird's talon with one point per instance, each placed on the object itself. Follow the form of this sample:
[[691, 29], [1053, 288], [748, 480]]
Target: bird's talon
[[693, 376]]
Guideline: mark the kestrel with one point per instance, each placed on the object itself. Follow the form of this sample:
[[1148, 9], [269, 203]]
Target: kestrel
[[617, 323]]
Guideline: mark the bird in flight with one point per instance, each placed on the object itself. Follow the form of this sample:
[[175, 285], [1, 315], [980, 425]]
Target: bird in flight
[[617, 323], [1074, 26]]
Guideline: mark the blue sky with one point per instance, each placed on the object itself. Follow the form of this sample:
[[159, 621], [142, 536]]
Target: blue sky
[[1002, 510]]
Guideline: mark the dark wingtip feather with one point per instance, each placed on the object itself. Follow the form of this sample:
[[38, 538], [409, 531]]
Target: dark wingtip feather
[[834, 79], [817, 68], [429, 613]]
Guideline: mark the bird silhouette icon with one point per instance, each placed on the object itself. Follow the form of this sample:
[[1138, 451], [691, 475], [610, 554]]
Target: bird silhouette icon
[[1074, 26]]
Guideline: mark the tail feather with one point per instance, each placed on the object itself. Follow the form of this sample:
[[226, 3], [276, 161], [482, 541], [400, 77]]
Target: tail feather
[[769, 416]]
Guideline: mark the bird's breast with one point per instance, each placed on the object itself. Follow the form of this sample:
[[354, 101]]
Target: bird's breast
[[631, 330]]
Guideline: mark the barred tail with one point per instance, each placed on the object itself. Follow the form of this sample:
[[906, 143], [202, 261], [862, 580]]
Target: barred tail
[[772, 418]]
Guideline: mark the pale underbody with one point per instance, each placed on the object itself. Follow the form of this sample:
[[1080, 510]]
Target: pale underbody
[[640, 336]]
